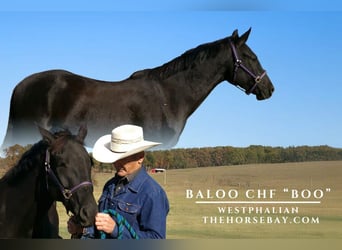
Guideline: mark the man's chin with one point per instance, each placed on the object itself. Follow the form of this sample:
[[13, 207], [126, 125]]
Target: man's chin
[[121, 172]]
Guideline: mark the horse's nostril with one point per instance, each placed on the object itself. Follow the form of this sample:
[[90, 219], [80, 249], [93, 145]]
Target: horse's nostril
[[87, 215]]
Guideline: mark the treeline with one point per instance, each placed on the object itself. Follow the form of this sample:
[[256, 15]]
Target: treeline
[[225, 156], [11, 156], [210, 156]]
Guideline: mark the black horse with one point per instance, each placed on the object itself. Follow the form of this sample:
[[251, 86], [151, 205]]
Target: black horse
[[57, 168], [159, 99]]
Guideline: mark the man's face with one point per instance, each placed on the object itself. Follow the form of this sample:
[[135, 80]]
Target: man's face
[[129, 164]]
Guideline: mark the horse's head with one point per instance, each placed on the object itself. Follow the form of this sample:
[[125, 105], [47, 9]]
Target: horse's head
[[247, 72], [68, 172]]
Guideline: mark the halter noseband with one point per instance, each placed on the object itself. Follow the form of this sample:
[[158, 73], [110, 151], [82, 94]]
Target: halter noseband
[[238, 64], [67, 193]]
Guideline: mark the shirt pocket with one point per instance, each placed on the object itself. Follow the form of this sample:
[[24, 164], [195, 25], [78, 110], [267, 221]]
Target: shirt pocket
[[129, 211], [128, 208]]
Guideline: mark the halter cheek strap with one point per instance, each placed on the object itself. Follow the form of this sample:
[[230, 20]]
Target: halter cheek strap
[[238, 64], [67, 193]]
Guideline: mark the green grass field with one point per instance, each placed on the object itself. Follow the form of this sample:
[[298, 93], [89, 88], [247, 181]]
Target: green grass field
[[311, 221]]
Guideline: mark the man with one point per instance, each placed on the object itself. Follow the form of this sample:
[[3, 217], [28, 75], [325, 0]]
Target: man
[[132, 204]]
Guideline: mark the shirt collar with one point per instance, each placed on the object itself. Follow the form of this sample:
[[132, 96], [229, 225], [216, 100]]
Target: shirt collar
[[128, 178]]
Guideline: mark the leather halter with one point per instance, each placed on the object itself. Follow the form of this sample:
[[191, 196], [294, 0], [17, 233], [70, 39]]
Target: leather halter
[[238, 64], [67, 193]]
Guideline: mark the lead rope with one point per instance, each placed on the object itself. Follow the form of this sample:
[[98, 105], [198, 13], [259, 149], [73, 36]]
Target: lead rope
[[121, 223]]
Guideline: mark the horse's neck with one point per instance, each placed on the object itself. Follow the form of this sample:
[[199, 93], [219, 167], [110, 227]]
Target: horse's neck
[[18, 208], [192, 86], [21, 193]]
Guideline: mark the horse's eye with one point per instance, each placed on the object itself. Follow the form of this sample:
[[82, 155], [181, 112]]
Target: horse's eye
[[250, 56], [62, 165]]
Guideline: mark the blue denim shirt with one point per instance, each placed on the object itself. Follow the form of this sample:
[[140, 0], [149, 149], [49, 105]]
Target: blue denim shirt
[[142, 202]]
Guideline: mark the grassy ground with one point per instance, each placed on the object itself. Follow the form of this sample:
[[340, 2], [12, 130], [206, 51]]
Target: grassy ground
[[185, 220]]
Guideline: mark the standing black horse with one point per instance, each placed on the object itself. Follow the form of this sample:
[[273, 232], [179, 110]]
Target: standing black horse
[[57, 168], [159, 99]]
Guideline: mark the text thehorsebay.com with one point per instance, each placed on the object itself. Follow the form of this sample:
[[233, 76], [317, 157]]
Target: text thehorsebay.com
[[258, 206]]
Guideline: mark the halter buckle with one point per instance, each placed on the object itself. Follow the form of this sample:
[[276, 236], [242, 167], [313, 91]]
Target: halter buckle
[[67, 194], [238, 62]]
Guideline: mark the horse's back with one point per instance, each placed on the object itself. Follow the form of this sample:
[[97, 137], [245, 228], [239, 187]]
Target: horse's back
[[34, 91], [42, 82], [45, 87], [33, 100]]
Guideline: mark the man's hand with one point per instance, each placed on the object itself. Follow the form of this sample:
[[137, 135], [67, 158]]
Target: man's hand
[[104, 223]]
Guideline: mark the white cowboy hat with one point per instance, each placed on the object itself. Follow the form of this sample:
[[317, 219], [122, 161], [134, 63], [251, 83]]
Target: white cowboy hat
[[124, 141]]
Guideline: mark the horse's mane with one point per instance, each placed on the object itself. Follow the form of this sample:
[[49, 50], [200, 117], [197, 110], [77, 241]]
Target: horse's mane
[[29, 160], [34, 157], [184, 61]]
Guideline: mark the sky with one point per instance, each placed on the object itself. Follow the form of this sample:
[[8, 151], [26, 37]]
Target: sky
[[299, 45]]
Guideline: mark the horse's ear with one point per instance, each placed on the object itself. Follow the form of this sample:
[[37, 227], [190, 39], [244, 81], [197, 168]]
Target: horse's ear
[[47, 135], [82, 133], [235, 35], [242, 39]]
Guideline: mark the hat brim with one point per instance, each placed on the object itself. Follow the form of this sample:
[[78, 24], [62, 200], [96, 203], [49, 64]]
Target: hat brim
[[102, 152]]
